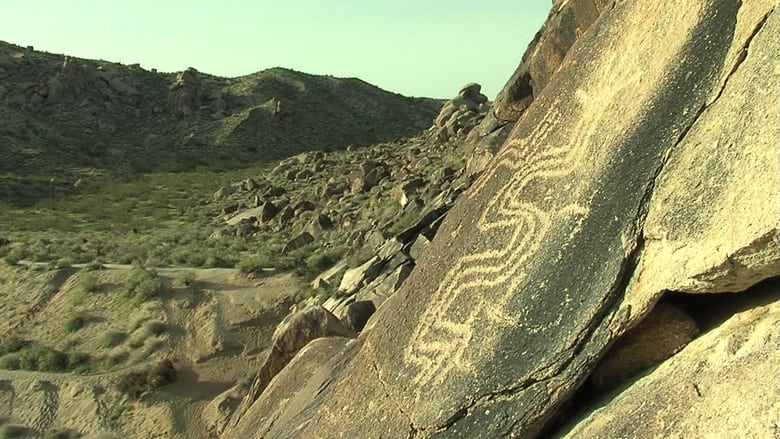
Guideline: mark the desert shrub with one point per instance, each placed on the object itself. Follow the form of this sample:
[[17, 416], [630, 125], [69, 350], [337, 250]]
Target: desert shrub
[[153, 328], [10, 361], [62, 263], [404, 221], [135, 384], [323, 259], [89, 283], [40, 358], [94, 265], [37, 357], [78, 360], [161, 374], [142, 284], [62, 434], [184, 279], [254, 264], [112, 338], [13, 431], [115, 359], [12, 258], [76, 322], [12, 344]]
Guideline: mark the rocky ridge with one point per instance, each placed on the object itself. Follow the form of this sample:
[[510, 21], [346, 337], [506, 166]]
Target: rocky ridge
[[67, 118]]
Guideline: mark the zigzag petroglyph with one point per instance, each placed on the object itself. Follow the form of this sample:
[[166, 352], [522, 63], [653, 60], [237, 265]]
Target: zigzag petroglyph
[[439, 344], [540, 167]]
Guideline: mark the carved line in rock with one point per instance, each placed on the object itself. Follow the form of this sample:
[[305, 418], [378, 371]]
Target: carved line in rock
[[438, 345]]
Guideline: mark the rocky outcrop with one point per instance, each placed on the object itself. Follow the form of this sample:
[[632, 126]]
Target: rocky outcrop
[[646, 165], [295, 332], [722, 384], [567, 22], [184, 97], [462, 113]]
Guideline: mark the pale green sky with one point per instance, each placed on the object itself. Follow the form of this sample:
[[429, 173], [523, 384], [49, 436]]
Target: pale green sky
[[412, 47]]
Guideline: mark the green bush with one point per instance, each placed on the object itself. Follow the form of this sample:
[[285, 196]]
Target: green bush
[[94, 265], [41, 358], [12, 344], [37, 357], [135, 384], [62, 263], [112, 338], [13, 431], [115, 359], [254, 264], [184, 279], [142, 284], [90, 283], [153, 328], [324, 259], [10, 361], [76, 322]]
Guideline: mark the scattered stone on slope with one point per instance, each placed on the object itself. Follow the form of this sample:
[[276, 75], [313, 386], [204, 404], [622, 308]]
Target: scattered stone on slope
[[462, 113], [297, 242], [357, 277], [356, 314], [185, 93]]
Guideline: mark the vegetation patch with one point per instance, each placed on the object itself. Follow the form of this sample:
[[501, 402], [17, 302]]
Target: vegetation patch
[[15, 431], [142, 284], [33, 356], [136, 384], [76, 322], [112, 338]]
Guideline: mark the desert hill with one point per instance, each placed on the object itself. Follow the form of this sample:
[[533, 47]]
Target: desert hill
[[67, 118]]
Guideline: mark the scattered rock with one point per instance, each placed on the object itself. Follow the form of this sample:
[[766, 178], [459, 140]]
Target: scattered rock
[[297, 242], [356, 277]]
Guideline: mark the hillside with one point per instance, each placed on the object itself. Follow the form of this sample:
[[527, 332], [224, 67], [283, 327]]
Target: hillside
[[66, 119]]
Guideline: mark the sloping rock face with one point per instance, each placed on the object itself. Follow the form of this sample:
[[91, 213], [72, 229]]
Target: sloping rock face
[[648, 164], [567, 22]]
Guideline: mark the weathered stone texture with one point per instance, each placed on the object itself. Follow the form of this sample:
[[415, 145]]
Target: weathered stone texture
[[723, 384]]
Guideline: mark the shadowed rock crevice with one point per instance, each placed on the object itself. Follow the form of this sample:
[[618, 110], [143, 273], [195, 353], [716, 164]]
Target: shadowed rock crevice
[[676, 321]]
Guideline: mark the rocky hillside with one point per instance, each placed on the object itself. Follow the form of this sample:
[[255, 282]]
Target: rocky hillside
[[612, 272], [66, 118]]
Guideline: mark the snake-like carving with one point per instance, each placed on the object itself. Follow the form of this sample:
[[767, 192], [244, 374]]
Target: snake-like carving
[[541, 166]]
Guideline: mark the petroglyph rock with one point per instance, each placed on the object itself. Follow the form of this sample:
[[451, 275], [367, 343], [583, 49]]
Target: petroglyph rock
[[648, 164]]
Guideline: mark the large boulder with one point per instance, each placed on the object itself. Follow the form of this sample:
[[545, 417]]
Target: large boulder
[[295, 332], [185, 93]]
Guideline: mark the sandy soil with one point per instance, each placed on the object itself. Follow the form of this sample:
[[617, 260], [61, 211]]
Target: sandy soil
[[215, 331]]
